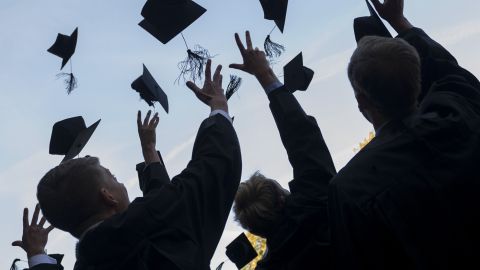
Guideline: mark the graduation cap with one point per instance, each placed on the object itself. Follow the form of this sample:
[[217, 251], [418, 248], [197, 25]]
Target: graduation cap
[[241, 251], [297, 76], [149, 89], [69, 136], [370, 26], [274, 10], [165, 19], [64, 47]]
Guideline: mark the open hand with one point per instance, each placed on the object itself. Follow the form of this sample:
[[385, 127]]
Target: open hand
[[35, 237], [212, 92], [148, 137], [392, 11], [254, 62]]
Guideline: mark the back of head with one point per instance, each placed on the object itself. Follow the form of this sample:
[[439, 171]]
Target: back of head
[[259, 204], [68, 193], [387, 72]]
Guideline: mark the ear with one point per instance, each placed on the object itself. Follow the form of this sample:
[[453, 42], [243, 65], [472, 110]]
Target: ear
[[108, 197], [364, 105]]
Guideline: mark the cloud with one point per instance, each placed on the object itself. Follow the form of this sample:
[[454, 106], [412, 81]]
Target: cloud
[[458, 33]]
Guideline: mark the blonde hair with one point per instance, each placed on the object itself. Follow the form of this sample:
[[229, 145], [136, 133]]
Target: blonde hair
[[259, 204], [388, 72]]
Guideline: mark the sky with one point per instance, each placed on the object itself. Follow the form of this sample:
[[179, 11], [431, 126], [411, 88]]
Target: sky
[[110, 52]]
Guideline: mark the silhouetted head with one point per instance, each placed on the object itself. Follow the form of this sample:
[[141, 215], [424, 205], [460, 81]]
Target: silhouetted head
[[385, 75], [259, 204], [79, 193]]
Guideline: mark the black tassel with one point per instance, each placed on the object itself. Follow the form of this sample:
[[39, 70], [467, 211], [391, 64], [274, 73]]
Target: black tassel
[[192, 67], [272, 49], [14, 264], [70, 81], [233, 86]]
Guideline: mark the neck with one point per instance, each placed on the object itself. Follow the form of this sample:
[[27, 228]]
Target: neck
[[89, 223]]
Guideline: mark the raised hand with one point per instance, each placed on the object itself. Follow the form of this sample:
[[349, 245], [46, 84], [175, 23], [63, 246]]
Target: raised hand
[[35, 237], [147, 134], [254, 62], [212, 93], [392, 11]]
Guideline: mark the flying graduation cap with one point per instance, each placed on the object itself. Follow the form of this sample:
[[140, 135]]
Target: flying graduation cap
[[165, 19], [70, 136], [370, 26], [275, 10], [296, 75], [240, 251], [64, 47], [149, 89]]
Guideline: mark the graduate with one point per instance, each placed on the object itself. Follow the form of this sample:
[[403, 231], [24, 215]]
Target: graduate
[[289, 220], [175, 225], [409, 199]]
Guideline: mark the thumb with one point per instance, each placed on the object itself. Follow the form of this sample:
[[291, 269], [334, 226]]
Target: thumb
[[17, 243], [238, 66]]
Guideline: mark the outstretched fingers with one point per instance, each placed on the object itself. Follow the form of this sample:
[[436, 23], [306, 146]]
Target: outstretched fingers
[[216, 76], [35, 215], [249, 41], [208, 71]]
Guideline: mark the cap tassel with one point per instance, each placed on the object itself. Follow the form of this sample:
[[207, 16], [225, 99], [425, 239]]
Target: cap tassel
[[70, 81], [193, 66], [233, 86], [272, 49]]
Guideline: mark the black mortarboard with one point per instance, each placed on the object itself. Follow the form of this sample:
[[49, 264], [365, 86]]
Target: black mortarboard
[[297, 76], [275, 10], [370, 26], [149, 89], [165, 19], [69, 136], [241, 251], [64, 46]]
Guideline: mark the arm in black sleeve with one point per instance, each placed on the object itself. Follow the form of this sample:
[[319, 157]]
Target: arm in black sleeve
[[152, 176], [309, 155], [437, 63]]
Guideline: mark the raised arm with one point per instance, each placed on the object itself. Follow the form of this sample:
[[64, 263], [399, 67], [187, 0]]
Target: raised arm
[[437, 62], [311, 161], [152, 173], [34, 240]]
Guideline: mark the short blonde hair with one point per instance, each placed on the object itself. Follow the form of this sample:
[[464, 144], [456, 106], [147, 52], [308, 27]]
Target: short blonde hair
[[259, 204], [388, 72]]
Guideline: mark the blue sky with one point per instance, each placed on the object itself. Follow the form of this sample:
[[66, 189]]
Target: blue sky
[[110, 52]]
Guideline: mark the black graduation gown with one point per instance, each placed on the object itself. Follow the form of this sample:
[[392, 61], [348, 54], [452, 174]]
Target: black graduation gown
[[410, 199], [176, 224], [300, 236]]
